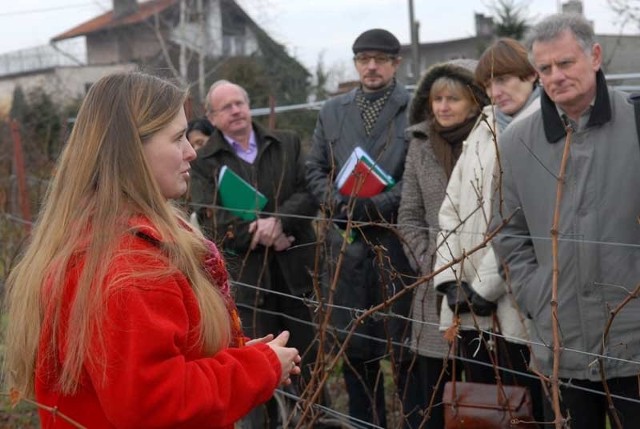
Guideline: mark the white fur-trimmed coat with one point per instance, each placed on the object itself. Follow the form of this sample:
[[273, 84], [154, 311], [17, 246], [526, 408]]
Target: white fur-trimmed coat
[[464, 219]]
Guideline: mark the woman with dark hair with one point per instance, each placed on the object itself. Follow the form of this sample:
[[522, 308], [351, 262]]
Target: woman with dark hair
[[119, 313], [510, 80], [445, 108], [475, 284], [198, 132]]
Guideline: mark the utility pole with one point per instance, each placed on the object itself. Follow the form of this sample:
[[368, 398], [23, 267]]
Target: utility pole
[[202, 42], [415, 53], [182, 59]]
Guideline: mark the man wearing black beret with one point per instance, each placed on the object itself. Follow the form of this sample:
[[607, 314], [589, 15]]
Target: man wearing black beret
[[376, 59], [374, 266]]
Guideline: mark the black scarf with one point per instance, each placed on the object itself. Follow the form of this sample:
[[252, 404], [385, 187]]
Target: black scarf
[[447, 142]]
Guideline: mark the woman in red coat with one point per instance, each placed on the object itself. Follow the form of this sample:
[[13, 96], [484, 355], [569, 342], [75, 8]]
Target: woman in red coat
[[119, 313]]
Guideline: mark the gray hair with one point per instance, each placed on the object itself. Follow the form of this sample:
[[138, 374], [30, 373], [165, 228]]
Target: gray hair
[[553, 26], [207, 102]]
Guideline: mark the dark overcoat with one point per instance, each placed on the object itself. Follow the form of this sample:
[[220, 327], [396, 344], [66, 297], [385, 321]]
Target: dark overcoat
[[373, 266], [277, 172]]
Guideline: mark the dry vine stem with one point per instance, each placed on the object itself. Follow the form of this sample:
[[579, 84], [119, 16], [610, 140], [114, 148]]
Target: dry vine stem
[[16, 397], [325, 320], [612, 412], [555, 382], [390, 301]]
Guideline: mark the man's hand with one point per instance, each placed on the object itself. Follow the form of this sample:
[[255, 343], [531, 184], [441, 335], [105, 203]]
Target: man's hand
[[265, 231], [283, 242]]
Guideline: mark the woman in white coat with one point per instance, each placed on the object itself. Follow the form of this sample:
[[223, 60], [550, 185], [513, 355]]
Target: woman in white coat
[[474, 288]]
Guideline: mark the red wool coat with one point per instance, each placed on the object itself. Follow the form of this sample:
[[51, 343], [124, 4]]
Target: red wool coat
[[156, 374]]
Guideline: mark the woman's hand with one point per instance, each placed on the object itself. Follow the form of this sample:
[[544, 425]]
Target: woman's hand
[[288, 356], [262, 340]]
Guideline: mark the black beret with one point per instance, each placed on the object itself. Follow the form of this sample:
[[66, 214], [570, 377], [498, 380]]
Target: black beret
[[377, 40]]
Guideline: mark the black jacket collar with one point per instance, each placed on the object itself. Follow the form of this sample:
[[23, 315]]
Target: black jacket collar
[[218, 143], [600, 114]]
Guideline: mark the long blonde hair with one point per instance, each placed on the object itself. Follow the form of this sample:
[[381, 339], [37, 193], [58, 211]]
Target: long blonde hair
[[102, 180]]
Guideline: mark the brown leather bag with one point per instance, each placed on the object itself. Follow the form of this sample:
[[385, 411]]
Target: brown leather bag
[[470, 405]]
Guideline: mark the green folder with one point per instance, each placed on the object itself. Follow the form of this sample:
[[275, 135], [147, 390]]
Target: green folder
[[238, 196]]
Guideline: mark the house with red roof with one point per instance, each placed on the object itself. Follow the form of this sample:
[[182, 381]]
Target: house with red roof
[[194, 42]]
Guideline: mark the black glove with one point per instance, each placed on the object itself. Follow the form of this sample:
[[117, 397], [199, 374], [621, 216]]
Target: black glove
[[466, 300], [364, 210], [481, 306], [456, 298], [339, 214], [340, 220]]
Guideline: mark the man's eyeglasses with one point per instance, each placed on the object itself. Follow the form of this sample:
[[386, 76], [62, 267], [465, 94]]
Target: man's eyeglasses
[[379, 59], [228, 108]]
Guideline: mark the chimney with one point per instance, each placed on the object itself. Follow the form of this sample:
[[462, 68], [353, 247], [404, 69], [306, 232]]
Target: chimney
[[573, 6], [484, 25], [122, 8]]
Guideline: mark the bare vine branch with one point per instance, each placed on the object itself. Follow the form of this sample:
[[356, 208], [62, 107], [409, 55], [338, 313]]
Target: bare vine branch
[[17, 397], [555, 381], [605, 336]]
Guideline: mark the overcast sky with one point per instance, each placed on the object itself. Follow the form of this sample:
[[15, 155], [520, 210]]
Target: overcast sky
[[308, 28]]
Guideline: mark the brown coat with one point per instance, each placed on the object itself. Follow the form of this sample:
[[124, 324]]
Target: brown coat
[[424, 189]]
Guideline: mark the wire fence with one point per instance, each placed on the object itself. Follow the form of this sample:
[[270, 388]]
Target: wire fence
[[386, 314], [627, 82], [321, 306]]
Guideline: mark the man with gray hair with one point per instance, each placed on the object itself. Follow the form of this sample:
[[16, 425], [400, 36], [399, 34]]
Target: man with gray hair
[[270, 253], [598, 257]]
